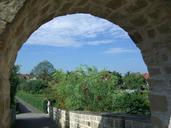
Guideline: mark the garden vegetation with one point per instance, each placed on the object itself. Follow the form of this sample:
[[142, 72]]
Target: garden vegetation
[[86, 89]]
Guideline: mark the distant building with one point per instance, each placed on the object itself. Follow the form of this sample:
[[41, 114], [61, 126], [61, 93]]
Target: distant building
[[25, 76], [146, 76]]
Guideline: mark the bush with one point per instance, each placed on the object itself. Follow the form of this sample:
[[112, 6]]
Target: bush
[[88, 89], [33, 86], [133, 103], [134, 81]]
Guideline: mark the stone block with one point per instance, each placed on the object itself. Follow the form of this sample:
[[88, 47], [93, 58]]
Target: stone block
[[168, 69], [156, 122], [158, 103], [154, 71], [114, 4], [151, 33], [139, 21], [164, 28], [137, 6]]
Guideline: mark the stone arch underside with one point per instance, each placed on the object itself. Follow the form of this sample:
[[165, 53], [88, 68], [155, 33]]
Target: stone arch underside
[[147, 22]]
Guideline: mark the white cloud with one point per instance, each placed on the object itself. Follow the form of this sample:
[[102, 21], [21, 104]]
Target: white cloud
[[119, 51], [75, 31], [81, 24], [99, 42], [66, 42]]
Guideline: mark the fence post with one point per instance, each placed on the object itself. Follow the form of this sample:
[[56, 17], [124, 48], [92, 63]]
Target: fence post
[[51, 112]]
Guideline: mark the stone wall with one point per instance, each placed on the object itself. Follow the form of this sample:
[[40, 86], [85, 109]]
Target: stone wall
[[78, 119]]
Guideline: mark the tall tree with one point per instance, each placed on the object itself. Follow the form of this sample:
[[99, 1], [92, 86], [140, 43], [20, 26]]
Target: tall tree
[[43, 70]]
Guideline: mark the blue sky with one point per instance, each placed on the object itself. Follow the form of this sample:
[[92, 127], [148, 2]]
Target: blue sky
[[71, 40]]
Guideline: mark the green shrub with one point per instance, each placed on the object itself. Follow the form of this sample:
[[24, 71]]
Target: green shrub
[[88, 89], [134, 81], [33, 86], [133, 103]]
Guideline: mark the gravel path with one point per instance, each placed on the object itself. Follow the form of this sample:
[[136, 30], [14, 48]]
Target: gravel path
[[29, 117]]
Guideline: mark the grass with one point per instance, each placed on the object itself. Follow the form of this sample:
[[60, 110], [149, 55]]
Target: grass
[[36, 100]]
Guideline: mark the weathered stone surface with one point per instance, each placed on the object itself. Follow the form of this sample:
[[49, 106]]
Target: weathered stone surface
[[9, 8], [155, 71], [154, 14], [136, 37], [114, 4], [164, 57], [2, 25], [164, 28], [139, 21], [151, 33], [168, 69], [137, 6], [82, 2], [157, 123], [67, 6], [155, 82], [1, 45], [159, 103]]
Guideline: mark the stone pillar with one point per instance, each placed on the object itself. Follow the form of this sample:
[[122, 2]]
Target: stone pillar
[[5, 115], [4, 102], [160, 103], [156, 52], [160, 85], [160, 107]]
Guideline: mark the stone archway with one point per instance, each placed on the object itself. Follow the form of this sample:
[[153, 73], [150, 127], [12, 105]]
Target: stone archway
[[147, 22]]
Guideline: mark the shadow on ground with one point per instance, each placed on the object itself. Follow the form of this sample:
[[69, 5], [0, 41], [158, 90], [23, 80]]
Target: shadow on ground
[[20, 108], [34, 121], [26, 119]]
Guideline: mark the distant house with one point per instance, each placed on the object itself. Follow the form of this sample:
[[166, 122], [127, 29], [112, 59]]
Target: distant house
[[24, 76], [33, 78], [146, 76]]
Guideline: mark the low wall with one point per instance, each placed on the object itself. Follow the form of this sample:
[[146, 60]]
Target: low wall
[[77, 119]]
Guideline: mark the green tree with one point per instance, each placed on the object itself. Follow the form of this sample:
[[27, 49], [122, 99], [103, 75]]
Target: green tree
[[59, 76], [43, 70], [120, 79], [134, 81], [134, 103], [33, 86], [86, 88]]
